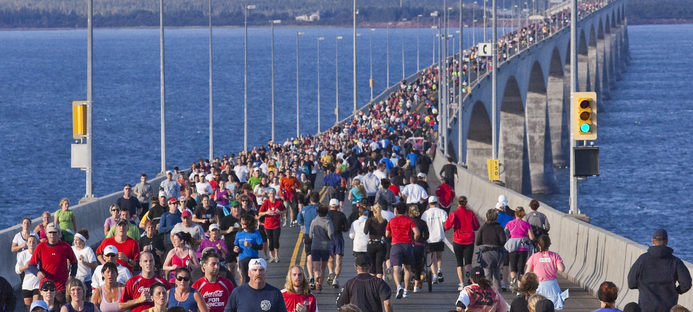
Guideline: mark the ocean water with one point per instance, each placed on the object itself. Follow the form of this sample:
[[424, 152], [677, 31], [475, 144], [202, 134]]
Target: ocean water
[[642, 135]]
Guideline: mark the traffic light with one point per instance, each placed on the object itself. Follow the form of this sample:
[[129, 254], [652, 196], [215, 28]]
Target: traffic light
[[585, 115]]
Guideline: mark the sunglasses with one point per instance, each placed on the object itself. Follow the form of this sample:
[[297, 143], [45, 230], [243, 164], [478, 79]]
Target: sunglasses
[[49, 289], [110, 255], [183, 278], [114, 210]]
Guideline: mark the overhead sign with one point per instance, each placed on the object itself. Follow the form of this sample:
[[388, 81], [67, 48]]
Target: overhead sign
[[485, 49]]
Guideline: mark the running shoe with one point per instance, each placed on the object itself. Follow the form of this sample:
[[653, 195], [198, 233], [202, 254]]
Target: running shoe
[[504, 286], [330, 278], [435, 279], [406, 294], [318, 288], [440, 276], [417, 289], [460, 287], [335, 283], [388, 274], [312, 283], [400, 292]]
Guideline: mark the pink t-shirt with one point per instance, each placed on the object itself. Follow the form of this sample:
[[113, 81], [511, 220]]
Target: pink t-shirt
[[545, 264], [519, 228]]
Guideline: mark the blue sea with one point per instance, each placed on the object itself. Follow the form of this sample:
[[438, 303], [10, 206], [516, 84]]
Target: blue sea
[[643, 138]]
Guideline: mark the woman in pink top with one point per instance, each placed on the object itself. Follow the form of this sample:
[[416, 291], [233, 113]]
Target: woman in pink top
[[545, 264], [521, 231]]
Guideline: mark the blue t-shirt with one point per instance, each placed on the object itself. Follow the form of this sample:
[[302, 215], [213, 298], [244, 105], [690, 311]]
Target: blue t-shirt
[[503, 219], [252, 237], [607, 310], [246, 298], [412, 159]]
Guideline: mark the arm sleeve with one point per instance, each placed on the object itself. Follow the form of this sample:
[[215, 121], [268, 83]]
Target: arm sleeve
[[163, 227], [299, 219], [73, 269], [343, 297], [449, 222], [546, 224], [478, 238], [683, 276], [634, 274]]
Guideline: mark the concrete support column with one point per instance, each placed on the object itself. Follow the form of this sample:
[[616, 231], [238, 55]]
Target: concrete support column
[[558, 120], [592, 63], [479, 144], [511, 148], [583, 72], [539, 145]]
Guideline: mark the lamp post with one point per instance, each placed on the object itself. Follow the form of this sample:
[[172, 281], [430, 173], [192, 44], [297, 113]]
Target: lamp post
[[336, 78], [370, 59], [88, 196], [434, 27], [527, 20], [485, 21], [403, 74], [387, 53], [211, 106], [245, 91], [473, 20], [162, 91], [418, 25], [319, 39], [272, 27], [461, 95], [354, 12], [298, 112]]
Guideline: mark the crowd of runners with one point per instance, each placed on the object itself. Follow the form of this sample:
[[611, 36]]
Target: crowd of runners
[[202, 241]]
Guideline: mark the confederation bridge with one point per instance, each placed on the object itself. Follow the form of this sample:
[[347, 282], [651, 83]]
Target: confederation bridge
[[533, 97]]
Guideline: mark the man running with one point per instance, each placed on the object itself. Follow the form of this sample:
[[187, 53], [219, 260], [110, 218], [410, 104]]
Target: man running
[[215, 289]]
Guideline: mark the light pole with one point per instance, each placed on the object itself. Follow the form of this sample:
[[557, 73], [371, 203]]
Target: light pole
[[245, 89], [89, 196], [434, 27], [527, 19], [272, 27], [162, 90], [354, 11], [370, 59], [319, 39], [461, 95], [418, 25], [403, 74], [473, 20], [336, 78], [387, 53], [211, 106], [298, 112], [485, 21]]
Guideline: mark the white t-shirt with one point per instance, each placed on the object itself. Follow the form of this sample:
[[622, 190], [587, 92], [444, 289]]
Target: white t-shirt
[[97, 279], [241, 173], [414, 193], [387, 214], [83, 271], [204, 188], [18, 239], [435, 219], [30, 282], [356, 233]]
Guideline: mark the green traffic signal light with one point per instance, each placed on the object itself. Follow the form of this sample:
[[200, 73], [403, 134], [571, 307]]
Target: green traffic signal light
[[585, 128]]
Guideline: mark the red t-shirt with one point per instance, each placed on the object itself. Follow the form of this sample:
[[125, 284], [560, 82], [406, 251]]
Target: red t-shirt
[[400, 228], [216, 295], [53, 261], [136, 286], [291, 299], [129, 247], [394, 189], [273, 221]]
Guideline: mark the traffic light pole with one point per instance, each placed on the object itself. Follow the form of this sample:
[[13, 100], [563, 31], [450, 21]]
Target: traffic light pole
[[573, 88]]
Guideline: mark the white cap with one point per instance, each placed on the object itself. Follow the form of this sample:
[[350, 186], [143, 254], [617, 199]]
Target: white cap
[[162, 193], [500, 206], [214, 226], [421, 175], [169, 172], [432, 199], [258, 262], [503, 200], [209, 177], [110, 249], [334, 202]]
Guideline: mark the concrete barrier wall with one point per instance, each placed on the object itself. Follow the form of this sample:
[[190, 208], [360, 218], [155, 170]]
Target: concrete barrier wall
[[591, 255], [90, 216]]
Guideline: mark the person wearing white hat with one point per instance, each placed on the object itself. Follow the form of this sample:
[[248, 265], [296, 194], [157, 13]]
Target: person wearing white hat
[[110, 254], [435, 220], [256, 295]]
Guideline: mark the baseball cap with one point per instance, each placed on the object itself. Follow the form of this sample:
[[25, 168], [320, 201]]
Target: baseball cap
[[162, 193], [172, 200], [123, 221], [421, 175], [255, 263], [48, 284], [234, 203], [169, 172], [52, 228], [334, 202], [362, 261], [660, 234], [37, 304], [432, 199], [499, 206], [214, 226], [186, 214], [110, 249], [477, 272]]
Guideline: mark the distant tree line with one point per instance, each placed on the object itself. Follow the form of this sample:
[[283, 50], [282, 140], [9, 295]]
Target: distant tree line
[[180, 13]]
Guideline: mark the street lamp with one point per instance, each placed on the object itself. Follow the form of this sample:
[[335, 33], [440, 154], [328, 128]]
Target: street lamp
[[162, 92], [418, 25], [485, 21], [298, 112], [336, 78], [387, 52], [473, 29], [272, 27], [211, 120], [319, 39], [370, 57], [245, 91], [434, 14], [403, 74]]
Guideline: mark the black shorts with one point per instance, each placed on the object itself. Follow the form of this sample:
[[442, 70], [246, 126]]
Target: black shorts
[[463, 253], [337, 246], [320, 255], [401, 254], [29, 293], [439, 246], [307, 244]]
